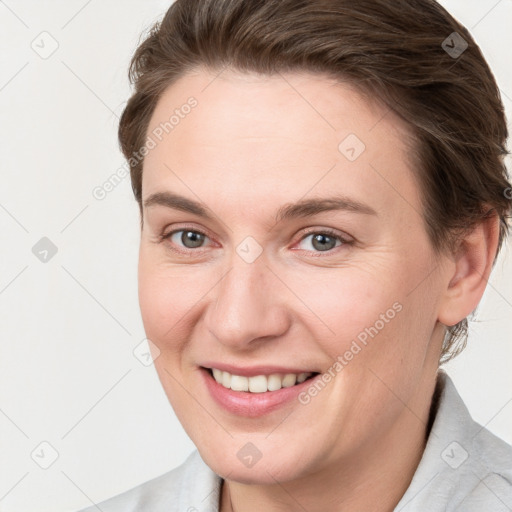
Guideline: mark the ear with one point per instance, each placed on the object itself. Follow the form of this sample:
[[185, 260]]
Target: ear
[[468, 276]]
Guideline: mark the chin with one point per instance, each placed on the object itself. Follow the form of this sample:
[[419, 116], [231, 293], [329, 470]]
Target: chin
[[267, 470]]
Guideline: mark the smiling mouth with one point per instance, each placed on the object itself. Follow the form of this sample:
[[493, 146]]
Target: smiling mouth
[[259, 383]]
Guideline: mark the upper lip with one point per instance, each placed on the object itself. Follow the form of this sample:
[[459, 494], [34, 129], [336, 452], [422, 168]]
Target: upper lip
[[251, 371]]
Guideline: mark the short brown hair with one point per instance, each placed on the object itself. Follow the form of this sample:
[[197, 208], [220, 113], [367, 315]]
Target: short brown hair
[[410, 54]]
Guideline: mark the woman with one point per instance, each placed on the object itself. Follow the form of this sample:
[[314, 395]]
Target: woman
[[322, 196]]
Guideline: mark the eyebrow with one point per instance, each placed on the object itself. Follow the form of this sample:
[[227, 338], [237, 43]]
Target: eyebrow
[[299, 209]]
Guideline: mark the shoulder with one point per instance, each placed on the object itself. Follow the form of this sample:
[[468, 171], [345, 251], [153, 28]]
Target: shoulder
[[465, 467], [491, 466], [485, 465], [190, 487]]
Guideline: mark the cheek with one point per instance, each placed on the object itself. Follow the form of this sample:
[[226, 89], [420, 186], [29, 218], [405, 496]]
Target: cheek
[[165, 300], [366, 314], [159, 305], [345, 303], [166, 297]]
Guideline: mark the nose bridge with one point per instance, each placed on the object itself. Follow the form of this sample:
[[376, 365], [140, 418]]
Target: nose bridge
[[246, 303]]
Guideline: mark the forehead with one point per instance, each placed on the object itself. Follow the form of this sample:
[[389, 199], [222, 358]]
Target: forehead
[[291, 132]]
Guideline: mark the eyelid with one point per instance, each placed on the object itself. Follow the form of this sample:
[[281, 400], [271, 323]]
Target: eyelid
[[344, 237]]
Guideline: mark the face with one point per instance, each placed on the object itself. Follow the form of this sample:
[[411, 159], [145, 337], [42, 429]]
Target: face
[[264, 285]]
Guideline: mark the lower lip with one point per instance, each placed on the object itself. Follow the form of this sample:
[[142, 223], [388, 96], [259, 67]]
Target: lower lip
[[243, 403]]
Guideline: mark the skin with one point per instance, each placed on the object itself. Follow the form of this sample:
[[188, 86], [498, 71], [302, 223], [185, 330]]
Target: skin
[[251, 145]]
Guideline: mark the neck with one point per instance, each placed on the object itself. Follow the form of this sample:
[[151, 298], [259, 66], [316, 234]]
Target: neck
[[374, 479]]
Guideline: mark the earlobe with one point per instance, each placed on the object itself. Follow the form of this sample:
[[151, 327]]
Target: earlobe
[[473, 263]]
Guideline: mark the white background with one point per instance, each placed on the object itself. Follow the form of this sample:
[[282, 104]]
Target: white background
[[68, 327]]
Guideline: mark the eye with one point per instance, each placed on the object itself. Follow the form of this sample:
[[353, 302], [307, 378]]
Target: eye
[[188, 238], [323, 240]]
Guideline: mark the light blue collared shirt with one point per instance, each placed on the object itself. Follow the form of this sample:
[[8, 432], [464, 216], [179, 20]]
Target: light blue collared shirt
[[464, 468]]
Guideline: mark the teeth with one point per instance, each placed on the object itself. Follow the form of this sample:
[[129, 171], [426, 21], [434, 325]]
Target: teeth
[[302, 377], [258, 383], [226, 380], [274, 382], [239, 383], [289, 380]]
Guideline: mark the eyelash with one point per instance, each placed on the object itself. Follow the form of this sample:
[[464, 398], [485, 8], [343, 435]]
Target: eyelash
[[323, 231]]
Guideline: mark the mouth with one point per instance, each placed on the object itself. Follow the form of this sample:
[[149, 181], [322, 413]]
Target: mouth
[[257, 394], [259, 383]]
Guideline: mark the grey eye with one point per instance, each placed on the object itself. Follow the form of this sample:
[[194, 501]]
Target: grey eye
[[189, 239], [322, 242]]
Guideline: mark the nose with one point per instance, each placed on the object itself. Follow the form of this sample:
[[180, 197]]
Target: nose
[[248, 305]]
